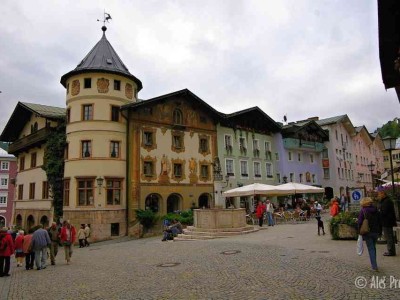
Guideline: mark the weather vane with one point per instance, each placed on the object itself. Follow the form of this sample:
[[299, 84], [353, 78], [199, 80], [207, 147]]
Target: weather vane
[[106, 17]]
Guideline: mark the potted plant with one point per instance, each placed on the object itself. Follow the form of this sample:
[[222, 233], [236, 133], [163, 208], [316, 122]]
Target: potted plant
[[344, 226]]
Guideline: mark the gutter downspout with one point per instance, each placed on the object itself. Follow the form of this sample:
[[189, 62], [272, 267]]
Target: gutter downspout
[[127, 172]]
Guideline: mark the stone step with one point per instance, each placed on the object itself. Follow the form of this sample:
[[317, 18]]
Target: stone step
[[189, 235], [234, 230]]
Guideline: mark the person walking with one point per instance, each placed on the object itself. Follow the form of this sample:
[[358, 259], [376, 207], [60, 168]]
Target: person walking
[[370, 212], [270, 211], [68, 235], [334, 207], [19, 253], [29, 253], [343, 203], [87, 235], [81, 236], [260, 209], [388, 219], [54, 233], [40, 242], [6, 250], [318, 208]]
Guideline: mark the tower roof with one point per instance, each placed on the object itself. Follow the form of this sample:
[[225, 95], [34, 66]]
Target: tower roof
[[102, 58]]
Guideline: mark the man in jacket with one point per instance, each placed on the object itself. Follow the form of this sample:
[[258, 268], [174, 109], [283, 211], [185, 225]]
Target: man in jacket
[[388, 219], [54, 234], [40, 242], [6, 250]]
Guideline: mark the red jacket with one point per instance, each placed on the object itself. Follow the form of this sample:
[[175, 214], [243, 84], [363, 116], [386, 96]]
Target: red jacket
[[260, 210], [334, 209], [63, 234], [6, 244], [19, 241]]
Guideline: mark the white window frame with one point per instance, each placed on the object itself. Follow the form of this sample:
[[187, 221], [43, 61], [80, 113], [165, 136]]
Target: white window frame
[[301, 178], [299, 157], [277, 156], [256, 144], [269, 170], [4, 181], [290, 156], [230, 167], [278, 177], [257, 175], [291, 177], [312, 160], [244, 169], [5, 166], [242, 144], [313, 178], [267, 145], [228, 141], [4, 197]]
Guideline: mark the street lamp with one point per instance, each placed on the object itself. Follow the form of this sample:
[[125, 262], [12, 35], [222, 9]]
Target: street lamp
[[390, 144], [371, 169]]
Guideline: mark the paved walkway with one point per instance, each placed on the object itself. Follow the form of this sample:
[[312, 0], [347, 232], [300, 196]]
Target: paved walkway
[[281, 262]]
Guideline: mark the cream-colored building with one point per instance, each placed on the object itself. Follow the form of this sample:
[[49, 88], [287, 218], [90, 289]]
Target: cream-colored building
[[95, 166], [28, 129]]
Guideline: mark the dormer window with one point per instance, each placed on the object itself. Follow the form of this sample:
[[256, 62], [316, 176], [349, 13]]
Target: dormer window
[[87, 84], [178, 117]]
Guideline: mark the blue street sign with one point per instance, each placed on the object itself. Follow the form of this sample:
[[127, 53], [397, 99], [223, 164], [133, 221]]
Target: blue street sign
[[356, 195]]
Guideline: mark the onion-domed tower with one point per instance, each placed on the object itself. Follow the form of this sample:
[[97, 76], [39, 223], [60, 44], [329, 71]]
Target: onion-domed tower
[[95, 165]]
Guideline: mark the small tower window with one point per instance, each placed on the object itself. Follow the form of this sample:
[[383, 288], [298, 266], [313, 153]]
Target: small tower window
[[117, 85], [88, 83], [177, 116], [114, 113]]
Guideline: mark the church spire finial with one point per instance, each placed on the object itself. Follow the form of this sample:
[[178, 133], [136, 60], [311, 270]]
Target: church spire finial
[[106, 17]]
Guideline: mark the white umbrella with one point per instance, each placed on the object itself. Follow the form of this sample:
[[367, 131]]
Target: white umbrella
[[253, 189], [390, 184], [298, 188]]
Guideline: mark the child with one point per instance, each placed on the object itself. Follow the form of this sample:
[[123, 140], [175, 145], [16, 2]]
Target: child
[[19, 253], [320, 225]]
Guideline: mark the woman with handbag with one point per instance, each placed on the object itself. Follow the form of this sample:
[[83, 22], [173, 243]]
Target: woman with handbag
[[67, 236], [369, 228]]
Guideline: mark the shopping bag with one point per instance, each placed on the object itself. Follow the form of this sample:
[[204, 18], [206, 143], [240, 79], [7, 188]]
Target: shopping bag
[[360, 245]]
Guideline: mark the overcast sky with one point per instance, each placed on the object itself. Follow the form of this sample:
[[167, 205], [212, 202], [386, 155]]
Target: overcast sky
[[299, 58]]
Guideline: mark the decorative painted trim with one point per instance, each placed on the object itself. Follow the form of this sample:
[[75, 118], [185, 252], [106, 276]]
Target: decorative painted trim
[[153, 144], [129, 91], [153, 176], [183, 176], [102, 85], [76, 87]]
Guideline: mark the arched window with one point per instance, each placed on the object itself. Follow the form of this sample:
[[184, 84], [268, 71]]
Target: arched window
[[178, 117], [30, 222], [18, 221], [44, 221], [173, 203], [153, 202]]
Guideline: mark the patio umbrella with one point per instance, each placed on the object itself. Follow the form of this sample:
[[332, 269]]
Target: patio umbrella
[[253, 189], [298, 188]]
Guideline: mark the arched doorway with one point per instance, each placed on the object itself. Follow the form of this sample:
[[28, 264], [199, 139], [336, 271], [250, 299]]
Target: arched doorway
[[30, 222], [2, 221], [44, 221], [18, 221], [329, 193], [204, 201], [153, 202], [173, 203]]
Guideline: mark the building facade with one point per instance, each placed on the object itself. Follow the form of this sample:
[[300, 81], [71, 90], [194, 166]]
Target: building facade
[[8, 173]]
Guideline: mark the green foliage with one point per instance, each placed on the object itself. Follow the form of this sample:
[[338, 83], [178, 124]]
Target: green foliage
[[348, 218], [391, 128], [146, 217], [54, 165], [185, 217]]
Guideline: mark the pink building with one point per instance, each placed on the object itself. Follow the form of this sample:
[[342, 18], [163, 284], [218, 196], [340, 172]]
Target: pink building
[[8, 173]]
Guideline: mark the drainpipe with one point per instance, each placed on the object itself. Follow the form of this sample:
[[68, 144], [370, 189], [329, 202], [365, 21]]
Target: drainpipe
[[127, 172]]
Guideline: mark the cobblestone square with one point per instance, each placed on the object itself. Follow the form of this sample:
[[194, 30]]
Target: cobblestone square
[[288, 261]]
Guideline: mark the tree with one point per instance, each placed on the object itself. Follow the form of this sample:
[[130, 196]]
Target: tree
[[54, 165], [391, 128]]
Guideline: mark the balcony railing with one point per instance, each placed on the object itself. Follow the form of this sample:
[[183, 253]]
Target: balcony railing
[[29, 141], [297, 144]]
